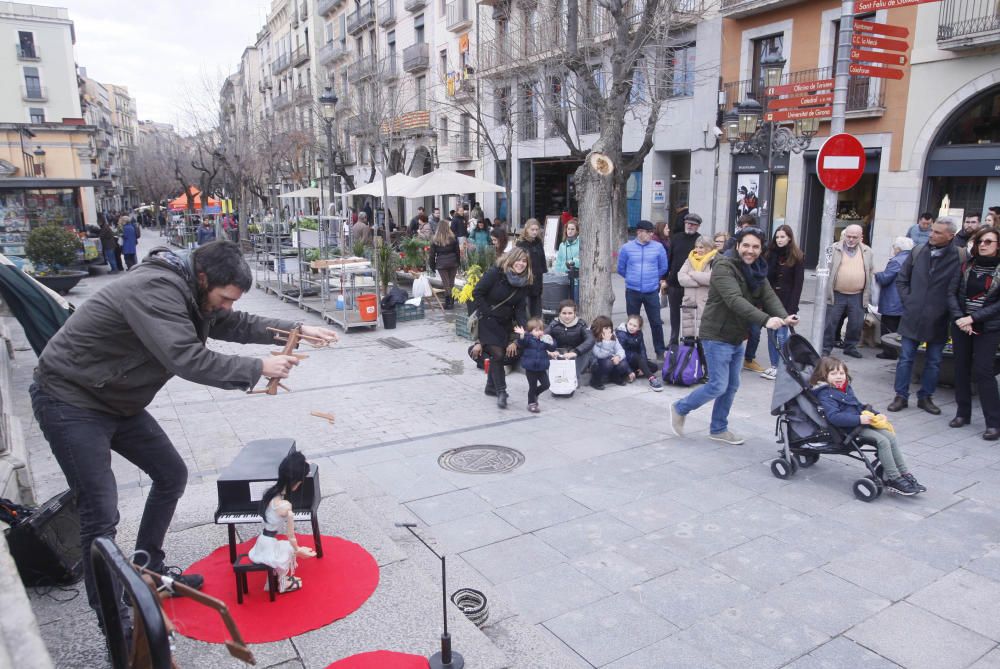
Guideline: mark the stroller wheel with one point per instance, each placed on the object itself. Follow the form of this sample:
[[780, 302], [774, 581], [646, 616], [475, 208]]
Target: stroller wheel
[[867, 490], [806, 459], [782, 468]]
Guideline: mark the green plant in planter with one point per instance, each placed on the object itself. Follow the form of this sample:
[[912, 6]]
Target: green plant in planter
[[308, 224], [415, 253], [51, 247], [358, 248], [387, 262]]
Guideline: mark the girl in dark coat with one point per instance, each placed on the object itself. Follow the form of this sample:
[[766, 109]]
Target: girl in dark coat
[[785, 273], [444, 259], [500, 298], [531, 241], [975, 311]]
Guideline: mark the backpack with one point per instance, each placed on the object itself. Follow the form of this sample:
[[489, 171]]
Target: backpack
[[684, 365]]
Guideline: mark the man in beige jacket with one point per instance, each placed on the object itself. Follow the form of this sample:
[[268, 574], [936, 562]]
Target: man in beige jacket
[[849, 289]]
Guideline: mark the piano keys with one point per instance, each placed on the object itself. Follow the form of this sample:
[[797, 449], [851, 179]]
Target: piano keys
[[255, 469]]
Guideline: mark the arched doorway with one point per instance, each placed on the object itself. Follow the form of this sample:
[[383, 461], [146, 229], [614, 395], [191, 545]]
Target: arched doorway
[[964, 160]]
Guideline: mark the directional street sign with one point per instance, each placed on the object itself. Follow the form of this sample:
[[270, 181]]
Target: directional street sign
[[796, 114], [804, 101], [881, 29], [879, 72], [878, 57], [865, 6], [841, 162], [869, 42], [800, 89]]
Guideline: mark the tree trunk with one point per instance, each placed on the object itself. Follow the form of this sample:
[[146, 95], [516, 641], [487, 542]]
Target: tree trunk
[[594, 193]]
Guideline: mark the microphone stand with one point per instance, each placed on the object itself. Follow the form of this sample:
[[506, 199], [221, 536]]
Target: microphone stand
[[446, 659]]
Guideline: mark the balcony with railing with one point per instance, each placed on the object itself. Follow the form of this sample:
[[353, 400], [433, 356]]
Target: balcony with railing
[[280, 64], [461, 148], [521, 48], [414, 5], [331, 52], [387, 12], [457, 15], [587, 121], [281, 101], [26, 52], [362, 68], [462, 90], [324, 7], [527, 125], [303, 95], [865, 95], [34, 93], [738, 9], [300, 55], [361, 18], [389, 67], [416, 57], [968, 24]]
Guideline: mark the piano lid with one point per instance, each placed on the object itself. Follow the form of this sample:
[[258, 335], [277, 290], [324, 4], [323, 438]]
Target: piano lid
[[258, 460]]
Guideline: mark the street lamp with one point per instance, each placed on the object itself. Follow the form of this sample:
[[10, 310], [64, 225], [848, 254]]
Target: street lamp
[[39, 154], [749, 133], [328, 107]]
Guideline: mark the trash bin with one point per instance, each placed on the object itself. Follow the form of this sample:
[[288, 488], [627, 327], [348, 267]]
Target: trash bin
[[367, 307], [389, 319]]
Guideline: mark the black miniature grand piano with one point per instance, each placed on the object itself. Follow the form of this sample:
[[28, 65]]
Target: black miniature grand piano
[[242, 484]]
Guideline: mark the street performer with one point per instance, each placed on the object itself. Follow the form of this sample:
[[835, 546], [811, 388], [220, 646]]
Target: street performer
[[101, 370]]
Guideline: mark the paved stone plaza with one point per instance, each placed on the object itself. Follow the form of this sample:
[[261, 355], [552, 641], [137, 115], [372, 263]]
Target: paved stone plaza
[[615, 544]]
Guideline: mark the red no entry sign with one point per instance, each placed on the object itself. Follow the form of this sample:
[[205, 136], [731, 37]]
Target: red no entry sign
[[841, 162]]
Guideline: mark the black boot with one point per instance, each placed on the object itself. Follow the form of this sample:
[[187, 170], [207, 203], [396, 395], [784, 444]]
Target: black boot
[[449, 302], [502, 399]]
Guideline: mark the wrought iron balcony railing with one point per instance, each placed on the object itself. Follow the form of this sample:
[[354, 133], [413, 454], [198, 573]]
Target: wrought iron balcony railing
[[968, 23], [416, 57], [863, 93]]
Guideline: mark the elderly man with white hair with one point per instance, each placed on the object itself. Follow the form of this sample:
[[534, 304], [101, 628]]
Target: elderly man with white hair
[[890, 307], [926, 280], [849, 289]]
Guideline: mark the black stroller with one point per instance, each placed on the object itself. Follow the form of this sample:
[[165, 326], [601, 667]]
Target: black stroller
[[802, 428]]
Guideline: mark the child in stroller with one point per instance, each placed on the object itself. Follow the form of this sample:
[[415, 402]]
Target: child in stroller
[[831, 386]]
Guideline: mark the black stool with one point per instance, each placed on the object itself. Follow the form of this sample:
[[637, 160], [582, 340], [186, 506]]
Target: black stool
[[241, 569]]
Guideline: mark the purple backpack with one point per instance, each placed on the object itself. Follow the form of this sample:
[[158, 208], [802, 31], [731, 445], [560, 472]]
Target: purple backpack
[[684, 365]]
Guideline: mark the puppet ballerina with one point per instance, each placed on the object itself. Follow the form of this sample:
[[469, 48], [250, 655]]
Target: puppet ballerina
[[282, 554]]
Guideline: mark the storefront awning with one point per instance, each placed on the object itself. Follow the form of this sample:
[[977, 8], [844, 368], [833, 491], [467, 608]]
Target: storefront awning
[[38, 183]]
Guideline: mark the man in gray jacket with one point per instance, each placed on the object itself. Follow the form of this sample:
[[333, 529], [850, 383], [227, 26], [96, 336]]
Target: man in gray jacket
[[105, 365]]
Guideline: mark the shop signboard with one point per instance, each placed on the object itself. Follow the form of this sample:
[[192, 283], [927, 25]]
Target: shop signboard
[[872, 71], [841, 162], [796, 114], [865, 6], [659, 191], [886, 29]]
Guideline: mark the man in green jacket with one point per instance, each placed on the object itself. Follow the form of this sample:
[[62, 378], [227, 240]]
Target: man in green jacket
[[739, 295], [96, 376]]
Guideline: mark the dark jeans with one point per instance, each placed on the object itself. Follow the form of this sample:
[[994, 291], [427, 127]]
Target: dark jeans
[[82, 441], [634, 300], [853, 307], [638, 363], [888, 325], [675, 298], [753, 341], [603, 370], [974, 355], [538, 383], [130, 260], [904, 368], [109, 257]]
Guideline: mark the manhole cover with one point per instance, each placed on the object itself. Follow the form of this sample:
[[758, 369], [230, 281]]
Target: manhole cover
[[481, 459], [393, 342]]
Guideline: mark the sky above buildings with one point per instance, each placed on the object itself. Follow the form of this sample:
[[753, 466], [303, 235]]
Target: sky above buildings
[[172, 56]]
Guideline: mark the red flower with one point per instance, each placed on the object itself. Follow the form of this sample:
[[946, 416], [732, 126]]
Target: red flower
[[427, 248], [402, 255]]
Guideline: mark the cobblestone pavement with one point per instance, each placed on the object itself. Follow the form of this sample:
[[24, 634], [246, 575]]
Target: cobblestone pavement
[[615, 544]]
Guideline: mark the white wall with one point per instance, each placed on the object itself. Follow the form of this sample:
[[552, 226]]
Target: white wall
[[56, 68]]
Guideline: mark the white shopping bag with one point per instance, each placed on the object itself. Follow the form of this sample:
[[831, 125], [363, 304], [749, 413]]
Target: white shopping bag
[[562, 377], [422, 286]]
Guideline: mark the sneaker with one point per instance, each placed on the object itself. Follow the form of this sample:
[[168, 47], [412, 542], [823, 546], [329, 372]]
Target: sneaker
[[193, 581], [771, 373], [913, 480], [676, 420], [533, 408], [726, 437], [655, 384], [901, 486], [752, 366]]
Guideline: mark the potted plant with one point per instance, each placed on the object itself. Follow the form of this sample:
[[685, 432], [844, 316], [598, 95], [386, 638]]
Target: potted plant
[[386, 262], [51, 248]]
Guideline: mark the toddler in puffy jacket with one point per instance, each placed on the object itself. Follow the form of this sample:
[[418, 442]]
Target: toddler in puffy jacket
[[536, 346], [609, 356]]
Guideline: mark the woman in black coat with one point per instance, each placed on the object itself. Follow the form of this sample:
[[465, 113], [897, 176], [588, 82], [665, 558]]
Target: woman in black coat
[[444, 259], [786, 274], [975, 333], [531, 241], [500, 298]]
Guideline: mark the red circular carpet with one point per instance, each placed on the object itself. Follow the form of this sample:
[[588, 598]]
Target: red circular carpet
[[333, 587], [381, 659]]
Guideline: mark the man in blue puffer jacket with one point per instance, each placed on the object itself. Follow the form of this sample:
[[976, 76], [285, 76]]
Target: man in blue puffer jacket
[[644, 266]]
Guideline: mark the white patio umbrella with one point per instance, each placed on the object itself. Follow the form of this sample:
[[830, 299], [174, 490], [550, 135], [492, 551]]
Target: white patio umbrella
[[302, 192], [394, 186], [448, 182]]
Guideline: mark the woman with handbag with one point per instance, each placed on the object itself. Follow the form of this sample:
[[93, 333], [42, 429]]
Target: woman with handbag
[[501, 298], [444, 259]]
